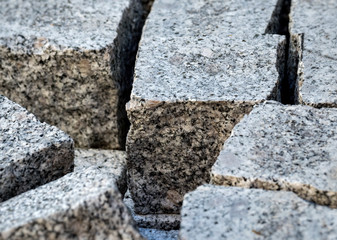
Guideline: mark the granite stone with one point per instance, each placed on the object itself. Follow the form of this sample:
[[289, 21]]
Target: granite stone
[[70, 63], [113, 162], [216, 212], [85, 204], [199, 71], [155, 234], [316, 23], [31, 153], [161, 222], [279, 147]]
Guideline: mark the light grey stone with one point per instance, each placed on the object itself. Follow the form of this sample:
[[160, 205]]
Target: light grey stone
[[279, 147], [215, 212], [31, 153], [70, 63], [316, 21], [164, 222], [85, 204], [113, 162], [199, 70], [155, 234]]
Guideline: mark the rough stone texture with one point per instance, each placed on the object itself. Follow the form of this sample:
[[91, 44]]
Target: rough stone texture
[[163, 222], [209, 70], [85, 204], [113, 162], [215, 212], [279, 147], [317, 67], [155, 234], [31, 153], [69, 63]]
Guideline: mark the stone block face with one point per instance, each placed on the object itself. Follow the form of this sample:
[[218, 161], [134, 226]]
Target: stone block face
[[113, 162], [66, 62], [279, 147], [85, 204], [215, 212], [31, 153], [316, 23], [199, 71]]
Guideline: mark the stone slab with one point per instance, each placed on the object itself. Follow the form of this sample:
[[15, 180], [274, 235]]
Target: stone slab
[[198, 71], [31, 153], [161, 222], [69, 62], [315, 20], [155, 234], [280, 147], [113, 162], [215, 212], [85, 204]]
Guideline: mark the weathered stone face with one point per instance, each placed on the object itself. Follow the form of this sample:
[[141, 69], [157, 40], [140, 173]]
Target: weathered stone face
[[67, 62], [317, 61], [85, 204], [215, 212], [199, 71], [289, 148], [31, 153]]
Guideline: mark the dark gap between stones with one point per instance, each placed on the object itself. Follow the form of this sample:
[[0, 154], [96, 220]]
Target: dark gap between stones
[[288, 53]]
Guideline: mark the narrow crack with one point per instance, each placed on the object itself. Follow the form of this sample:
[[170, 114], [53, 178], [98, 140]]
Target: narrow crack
[[289, 53]]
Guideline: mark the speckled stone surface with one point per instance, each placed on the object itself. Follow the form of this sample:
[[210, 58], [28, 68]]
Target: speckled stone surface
[[209, 70], [318, 66], [113, 162], [85, 204], [155, 234], [67, 62], [31, 153], [280, 147], [164, 222], [215, 212]]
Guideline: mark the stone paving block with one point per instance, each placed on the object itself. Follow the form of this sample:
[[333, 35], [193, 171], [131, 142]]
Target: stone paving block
[[162, 222], [31, 153], [111, 161], [316, 21], [216, 212], [69, 63], [278, 147], [198, 71], [155, 234], [85, 204]]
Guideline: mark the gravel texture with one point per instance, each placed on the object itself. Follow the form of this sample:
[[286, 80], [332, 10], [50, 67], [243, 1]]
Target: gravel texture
[[318, 51], [31, 153], [85, 204], [279, 147], [215, 212], [69, 63], [199, 71]]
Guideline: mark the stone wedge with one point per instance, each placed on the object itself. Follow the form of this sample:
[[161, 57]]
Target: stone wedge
[[315, 39], [70, 63], [278, 147], [199, 71], [85, 204], [215, 212], [31, 153]]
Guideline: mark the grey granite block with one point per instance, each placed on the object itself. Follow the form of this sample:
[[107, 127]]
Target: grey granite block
[[199, 71], [215, 212], [317, 61], [31, 153], [155, 234], [70, 63], [162, 222], [85, 204], [113, 162], [279, 147]]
